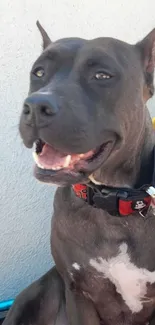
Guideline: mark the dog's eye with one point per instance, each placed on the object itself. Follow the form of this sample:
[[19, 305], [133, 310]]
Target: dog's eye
[[39, 72], [102, 75]]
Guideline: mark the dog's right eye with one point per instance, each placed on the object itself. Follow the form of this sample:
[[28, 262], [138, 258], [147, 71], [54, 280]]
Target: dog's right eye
[[38, 72]]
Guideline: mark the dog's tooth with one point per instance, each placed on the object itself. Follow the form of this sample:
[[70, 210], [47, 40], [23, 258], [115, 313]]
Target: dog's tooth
[[56, 167], [67, 161], [35, 157], [40, 166]]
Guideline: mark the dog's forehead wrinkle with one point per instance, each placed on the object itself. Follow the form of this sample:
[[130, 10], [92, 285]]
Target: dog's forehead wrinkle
[[71, 42], [109, 57], [92, 49], [110, 46], [66, 46]]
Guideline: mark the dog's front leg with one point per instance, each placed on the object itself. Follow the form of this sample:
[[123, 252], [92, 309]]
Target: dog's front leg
[[80, 310], [42, 303]]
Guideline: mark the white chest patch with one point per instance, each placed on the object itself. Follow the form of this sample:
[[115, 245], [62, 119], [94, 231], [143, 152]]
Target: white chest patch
[[76, 266], [129, 280]]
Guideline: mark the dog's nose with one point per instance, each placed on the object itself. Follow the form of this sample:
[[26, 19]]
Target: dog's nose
[[38, 108]]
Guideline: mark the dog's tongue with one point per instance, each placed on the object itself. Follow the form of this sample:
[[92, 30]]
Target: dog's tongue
[[50, 158]]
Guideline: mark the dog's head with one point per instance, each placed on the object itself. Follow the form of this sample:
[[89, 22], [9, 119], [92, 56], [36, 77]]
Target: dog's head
[[84, 97]]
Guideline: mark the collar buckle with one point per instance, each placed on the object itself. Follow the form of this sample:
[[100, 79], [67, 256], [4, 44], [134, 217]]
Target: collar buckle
[[108, 199], [151, 191]]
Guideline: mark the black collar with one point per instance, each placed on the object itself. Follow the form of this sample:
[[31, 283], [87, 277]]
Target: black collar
[[121, 201]]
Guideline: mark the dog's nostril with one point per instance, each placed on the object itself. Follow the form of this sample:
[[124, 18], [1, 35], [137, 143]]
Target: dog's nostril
[[26, 109], [45, 110]]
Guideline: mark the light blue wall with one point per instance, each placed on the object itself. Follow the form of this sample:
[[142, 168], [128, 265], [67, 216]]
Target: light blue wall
[[25, 205]]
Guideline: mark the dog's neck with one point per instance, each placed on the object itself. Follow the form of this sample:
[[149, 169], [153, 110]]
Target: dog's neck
[[133, 165]]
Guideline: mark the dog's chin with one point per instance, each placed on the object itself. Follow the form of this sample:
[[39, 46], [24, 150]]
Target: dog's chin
[[55, 167]]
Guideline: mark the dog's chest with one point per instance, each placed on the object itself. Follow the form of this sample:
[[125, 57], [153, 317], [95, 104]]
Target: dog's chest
[[98, 255], [103, 279]]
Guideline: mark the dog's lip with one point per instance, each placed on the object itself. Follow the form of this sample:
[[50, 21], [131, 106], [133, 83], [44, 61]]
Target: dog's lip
[[51, 172]]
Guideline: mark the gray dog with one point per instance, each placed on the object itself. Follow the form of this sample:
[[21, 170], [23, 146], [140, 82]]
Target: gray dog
[[86, 114]]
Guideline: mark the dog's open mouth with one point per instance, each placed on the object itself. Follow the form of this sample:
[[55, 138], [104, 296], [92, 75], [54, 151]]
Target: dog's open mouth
[[48, 158]]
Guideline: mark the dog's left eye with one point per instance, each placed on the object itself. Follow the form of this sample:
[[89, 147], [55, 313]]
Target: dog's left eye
[[102, 75], [39, 72]]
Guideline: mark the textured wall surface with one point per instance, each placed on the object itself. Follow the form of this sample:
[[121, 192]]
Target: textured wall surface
[[25, 205]]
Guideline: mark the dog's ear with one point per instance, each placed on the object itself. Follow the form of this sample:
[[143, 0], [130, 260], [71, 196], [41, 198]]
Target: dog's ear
[[147, 50], [46, 40]]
